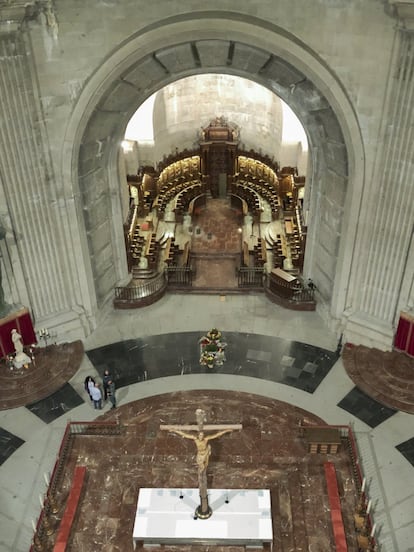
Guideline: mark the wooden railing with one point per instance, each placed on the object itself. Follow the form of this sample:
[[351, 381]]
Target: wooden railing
[[252, 277], [303, 295], [144, 294], [348, 439], [44, 529], [179, 276], [302, 299]]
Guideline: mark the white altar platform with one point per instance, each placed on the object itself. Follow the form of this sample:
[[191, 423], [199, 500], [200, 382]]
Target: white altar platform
[[167, 516]]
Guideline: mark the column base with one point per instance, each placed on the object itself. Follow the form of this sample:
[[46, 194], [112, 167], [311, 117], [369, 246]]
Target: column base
[[203, 515], [361, 329]]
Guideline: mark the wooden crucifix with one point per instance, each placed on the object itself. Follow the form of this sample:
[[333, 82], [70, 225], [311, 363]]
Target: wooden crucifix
[[203, 511]]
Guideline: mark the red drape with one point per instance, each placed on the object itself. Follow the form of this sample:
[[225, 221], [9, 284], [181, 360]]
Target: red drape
[[403, 330], [410, 342], [21, 321]]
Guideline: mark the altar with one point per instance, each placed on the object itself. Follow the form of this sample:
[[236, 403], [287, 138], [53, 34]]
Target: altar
[[240, 517]]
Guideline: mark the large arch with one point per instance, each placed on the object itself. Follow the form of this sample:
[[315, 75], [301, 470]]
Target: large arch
[[225, 43]]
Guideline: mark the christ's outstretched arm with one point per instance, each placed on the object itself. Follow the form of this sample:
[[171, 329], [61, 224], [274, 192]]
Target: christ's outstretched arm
[[184, 434], [218, 434]]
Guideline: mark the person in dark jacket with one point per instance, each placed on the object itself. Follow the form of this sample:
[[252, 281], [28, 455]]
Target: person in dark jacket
[[105, 380], [111, 393]]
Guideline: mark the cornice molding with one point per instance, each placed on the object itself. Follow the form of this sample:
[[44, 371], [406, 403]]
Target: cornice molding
[[13, 13], [403, 10]]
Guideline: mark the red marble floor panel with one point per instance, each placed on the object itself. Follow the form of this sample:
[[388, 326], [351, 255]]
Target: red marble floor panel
[[386, 377], [52, 368], [218, 229], [214, 272], [267, 453]]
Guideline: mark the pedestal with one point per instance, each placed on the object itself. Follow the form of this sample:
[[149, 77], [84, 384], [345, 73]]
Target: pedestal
[[20, 360], [239, 517]]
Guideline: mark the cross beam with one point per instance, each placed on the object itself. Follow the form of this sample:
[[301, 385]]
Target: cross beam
[[207, 427], [196, 433]]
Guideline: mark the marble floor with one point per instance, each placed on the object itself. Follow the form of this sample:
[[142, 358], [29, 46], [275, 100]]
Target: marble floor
[[281, 355], [267, 452]]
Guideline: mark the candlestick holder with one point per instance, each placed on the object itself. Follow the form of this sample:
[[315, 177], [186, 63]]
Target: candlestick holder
[[32, 353], [10, 362], [44, 335]]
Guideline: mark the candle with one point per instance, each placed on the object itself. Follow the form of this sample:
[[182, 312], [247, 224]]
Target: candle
[[364, 481], [34, 526], [369, 506], [46, 478], [373, 529], [41, 500]]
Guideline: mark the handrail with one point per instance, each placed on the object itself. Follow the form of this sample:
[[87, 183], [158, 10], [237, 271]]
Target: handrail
[[179, 275], [72, 428], [250, 276], [138, 293], [346, 432]]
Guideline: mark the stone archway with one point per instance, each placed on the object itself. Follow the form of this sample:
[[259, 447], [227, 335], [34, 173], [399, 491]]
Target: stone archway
[[206, 42]]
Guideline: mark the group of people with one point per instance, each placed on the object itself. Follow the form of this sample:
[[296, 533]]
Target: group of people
[[93, 389]]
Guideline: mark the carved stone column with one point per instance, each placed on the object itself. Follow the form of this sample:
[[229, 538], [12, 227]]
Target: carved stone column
[[41, 254], [387, 213]]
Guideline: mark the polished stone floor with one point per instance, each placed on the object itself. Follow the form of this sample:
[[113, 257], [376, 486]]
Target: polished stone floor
[[268, 452], [282, 355], [50, 369], [216, 235], [280, 360]]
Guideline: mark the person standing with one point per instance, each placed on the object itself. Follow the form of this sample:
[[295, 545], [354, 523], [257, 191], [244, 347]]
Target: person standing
[[105, 380], [111, 393], [96, 396], [89, 384]]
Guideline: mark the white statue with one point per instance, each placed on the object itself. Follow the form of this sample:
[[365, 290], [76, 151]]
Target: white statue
[[17, 341], [21, 359]]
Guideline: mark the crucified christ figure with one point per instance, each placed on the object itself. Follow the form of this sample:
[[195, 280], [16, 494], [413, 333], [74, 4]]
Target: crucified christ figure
[[201, 441], [203, 446]]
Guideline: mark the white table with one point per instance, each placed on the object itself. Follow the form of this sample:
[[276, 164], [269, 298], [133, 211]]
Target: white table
[[240, 517]]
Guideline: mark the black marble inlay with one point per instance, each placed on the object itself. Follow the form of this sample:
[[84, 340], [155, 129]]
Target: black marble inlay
[[252, 355], [56, 404], [8, 444], [407, 450], [370, 411]]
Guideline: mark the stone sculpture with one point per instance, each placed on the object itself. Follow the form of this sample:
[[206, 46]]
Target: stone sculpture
[[201, 440]]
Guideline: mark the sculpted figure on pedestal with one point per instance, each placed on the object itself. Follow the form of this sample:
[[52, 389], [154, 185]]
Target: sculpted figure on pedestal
[[21, 359]]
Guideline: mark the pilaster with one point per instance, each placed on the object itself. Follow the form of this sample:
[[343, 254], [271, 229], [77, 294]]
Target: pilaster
[[388, 212], [403, 10], [41, 254]]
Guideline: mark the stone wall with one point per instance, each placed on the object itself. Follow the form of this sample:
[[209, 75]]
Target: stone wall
[[84, 69], [183, 108]]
